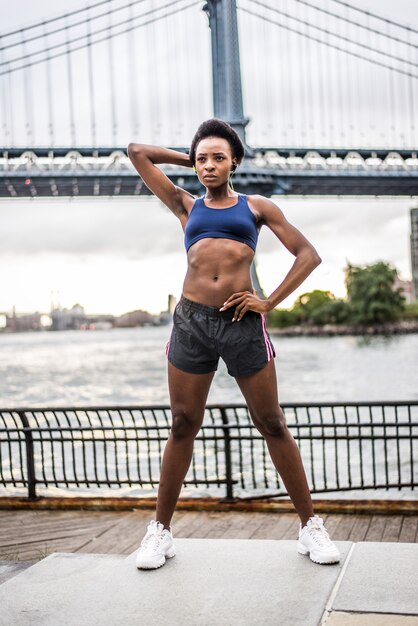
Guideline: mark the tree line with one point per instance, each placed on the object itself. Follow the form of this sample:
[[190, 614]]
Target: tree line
[[371, 299]]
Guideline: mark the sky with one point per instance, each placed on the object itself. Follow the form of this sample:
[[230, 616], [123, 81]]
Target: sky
[[129, 254], [113, 255]]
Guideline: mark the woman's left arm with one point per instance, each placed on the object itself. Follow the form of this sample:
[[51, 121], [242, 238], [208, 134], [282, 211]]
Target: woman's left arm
[[307, 259]]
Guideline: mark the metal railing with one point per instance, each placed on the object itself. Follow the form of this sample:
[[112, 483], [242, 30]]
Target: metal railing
[[344, 446]]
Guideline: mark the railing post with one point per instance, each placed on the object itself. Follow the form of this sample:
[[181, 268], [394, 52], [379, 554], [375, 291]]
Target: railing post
[[228, 461], [30, 462]]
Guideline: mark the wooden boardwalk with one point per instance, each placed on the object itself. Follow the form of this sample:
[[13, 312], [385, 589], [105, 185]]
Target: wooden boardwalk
[[30, 535]]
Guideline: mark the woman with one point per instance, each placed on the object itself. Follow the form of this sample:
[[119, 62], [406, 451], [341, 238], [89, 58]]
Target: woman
[[219, 314]]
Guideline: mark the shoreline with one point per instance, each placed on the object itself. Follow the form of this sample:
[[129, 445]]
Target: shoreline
[[329, 330]]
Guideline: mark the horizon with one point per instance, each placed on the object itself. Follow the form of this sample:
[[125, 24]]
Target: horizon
[[57, 306]]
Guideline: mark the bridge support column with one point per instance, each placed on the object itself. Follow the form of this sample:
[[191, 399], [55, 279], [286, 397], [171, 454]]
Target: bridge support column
[[226, 71]]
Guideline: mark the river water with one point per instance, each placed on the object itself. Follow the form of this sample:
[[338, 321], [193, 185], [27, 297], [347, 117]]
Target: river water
[[128, 367]]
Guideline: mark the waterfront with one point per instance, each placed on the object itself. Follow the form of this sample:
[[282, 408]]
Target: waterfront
[[128, 366]]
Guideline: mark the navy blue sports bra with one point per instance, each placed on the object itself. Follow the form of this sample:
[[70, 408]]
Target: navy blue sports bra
[[235, 222]]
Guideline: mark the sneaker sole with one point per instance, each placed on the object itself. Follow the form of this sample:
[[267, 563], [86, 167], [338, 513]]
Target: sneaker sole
[[156, 564], [320, 560]]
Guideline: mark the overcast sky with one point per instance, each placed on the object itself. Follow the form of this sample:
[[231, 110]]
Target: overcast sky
[[114, 255]]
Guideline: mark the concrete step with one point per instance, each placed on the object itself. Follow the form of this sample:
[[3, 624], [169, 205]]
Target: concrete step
[[381, 578], [43, 593], [8, 569], [225, 582]]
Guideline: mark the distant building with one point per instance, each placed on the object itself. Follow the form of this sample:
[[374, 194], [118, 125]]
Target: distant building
[[99, 322], [406, 288], [256, 281], [414, 252], [135, 318], [20, 323], [68, 319], [172, 301]]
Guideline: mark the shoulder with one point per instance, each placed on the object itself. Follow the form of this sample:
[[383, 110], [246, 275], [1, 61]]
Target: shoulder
[[264, 209]]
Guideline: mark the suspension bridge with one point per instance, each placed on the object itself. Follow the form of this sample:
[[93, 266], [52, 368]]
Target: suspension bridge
[[324, 96]]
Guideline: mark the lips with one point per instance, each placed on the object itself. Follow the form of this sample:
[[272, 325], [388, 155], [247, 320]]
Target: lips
[[209, 176]]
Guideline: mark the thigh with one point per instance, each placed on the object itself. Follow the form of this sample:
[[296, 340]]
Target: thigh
[[245, 346], [260, 391], [191, 348], [188, 392]]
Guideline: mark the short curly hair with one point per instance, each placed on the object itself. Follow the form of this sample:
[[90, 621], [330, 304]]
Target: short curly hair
[[216, 127]]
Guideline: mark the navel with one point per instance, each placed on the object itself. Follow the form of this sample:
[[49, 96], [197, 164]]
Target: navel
[[215, 277]]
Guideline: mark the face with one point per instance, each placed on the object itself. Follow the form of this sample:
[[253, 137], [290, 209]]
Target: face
[[214, 161]]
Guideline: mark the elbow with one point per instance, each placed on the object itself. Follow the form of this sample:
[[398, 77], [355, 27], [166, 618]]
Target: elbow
[[133, 148], [136, 149], [317, 259], [313, 257], [136, 152]]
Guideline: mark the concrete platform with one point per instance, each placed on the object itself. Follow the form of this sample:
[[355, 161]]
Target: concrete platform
[[380, 580], [8, 569], [220, 581]]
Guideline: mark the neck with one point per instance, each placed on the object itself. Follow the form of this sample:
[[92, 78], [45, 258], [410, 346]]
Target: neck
[[220, 193]]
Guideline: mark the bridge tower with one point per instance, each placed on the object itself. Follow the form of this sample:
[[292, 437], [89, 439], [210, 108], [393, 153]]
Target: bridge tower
[[226, 78], [226, 69]]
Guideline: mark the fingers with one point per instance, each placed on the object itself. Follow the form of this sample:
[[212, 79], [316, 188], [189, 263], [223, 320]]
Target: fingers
[[242, 300], [234, 299], [240, 312]]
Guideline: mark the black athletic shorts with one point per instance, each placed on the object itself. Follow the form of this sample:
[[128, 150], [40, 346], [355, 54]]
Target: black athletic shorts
[[201, 334]]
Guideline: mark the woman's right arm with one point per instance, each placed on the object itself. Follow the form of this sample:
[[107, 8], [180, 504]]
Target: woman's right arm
[[144, 158]]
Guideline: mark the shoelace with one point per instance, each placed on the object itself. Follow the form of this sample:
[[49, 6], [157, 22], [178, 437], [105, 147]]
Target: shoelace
[[319, 534], [153, 540]]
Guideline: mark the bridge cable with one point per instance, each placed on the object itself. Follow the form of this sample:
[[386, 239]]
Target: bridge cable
[[91, 85], [411, 97], [304, 73], [372, 91], [7, 107], [94, 33], [52, 19], [71, 92], [59, 45], [392, 102], [375, 16], [74, 24], [328, 32], [133, 83], [112, 80], [354, 23], [27, 90], [339, 89], [355, 54], [49, 100]]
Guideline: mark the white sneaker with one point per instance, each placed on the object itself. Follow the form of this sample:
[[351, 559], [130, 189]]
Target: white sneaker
[[314, 539], [155, 546]]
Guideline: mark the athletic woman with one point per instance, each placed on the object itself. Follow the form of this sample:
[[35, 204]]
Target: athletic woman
[[220, 315]]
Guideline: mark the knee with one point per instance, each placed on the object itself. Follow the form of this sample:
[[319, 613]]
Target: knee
[[183, 425], [272, 425]]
